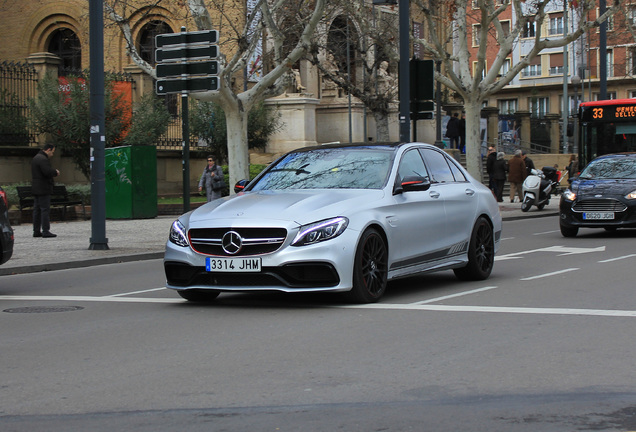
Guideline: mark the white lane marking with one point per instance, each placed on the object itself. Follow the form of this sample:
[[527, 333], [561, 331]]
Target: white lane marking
[[618, 258], [136, 292], [492, 309], [387, 306], [93, 299], [549, 274], [434, 300], [562, 250], [507, 238], [547, 232]]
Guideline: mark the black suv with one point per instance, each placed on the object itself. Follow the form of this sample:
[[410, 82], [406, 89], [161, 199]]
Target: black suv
[[6, 232]]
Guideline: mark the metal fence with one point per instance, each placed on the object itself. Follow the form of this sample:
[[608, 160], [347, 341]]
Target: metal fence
[[18, 84]]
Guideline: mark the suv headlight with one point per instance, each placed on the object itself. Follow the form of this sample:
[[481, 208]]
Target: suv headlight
[[320, 231], [178, 234], [569, 195]]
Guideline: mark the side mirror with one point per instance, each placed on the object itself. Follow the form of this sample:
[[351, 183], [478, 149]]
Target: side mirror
[[414, 183], [240, 185]]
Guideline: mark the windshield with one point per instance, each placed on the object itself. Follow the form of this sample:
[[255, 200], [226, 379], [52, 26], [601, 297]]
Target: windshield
[[329, 168], [610, 168]]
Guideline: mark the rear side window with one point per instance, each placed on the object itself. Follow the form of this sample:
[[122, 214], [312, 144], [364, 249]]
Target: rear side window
[[438, 167]]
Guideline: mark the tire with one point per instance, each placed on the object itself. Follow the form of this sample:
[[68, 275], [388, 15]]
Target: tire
[[526, 204], [567, 231], [541, 206], [481, 253], [370, 268], [197, 295]]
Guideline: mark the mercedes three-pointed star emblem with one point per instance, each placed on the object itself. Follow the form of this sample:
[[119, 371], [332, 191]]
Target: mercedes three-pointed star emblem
[[232, 242]]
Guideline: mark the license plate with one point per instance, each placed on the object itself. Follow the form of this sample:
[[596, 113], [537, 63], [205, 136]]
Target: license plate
[[233, 265], [598, 215]]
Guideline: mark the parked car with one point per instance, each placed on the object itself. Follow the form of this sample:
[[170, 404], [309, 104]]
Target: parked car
[[339, 218], [6, 232], [602, 196]]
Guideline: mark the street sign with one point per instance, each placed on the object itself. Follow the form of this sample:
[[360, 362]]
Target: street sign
[[179, 85], [187, 53], [165, 70], [199, 37]]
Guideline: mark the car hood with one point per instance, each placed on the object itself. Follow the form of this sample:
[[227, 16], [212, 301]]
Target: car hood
[[299, 206], [619, 187]]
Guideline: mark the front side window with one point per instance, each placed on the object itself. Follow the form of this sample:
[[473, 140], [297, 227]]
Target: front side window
[[412, 165], [438, 166]]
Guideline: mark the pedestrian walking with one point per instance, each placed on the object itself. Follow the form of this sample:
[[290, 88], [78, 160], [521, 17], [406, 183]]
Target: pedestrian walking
[[517, 173], [452, 131], [490, 166], [529, 162], [212, 180], [500, 170], [42, 174]]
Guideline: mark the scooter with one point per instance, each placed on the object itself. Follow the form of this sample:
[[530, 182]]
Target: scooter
[[538, 187]]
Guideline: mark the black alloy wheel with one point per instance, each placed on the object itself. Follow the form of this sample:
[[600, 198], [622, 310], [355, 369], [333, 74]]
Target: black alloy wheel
[[481, 253], [370, 268]]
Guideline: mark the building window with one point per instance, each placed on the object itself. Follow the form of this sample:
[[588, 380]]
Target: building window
[[556, 64], [556, 25], [147, 35], [529, 30], [610, 63], [507, 106], [539, 106], [631, 62], [632, 94], [476, 35], [505, 68], [505, 29], [610, 95], [65, 44]]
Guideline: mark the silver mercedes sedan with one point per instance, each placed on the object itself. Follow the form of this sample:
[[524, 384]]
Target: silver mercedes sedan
[[338, 218]]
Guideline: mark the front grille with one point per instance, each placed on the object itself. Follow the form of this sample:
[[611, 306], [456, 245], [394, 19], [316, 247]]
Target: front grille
[[599, 205], [256, 241]]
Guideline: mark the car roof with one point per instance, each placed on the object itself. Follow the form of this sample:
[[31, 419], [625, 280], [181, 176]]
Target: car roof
[[616, 155], [370, 145]]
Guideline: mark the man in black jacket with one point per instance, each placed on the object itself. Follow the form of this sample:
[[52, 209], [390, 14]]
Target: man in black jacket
[[42, 186]]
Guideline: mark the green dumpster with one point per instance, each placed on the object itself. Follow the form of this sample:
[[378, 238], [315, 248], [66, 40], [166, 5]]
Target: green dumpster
[[131, 182]]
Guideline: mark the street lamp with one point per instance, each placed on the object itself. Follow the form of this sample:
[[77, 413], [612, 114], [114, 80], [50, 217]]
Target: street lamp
[[404, 72]]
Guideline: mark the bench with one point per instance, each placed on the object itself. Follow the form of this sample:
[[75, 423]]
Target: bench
[[59, 198]]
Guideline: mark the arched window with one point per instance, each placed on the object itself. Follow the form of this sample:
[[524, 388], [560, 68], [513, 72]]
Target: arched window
[[147, 44], [65, 44], [341, 42]]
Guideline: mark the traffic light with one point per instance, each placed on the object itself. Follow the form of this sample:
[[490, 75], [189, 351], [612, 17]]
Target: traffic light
[[422, 81]]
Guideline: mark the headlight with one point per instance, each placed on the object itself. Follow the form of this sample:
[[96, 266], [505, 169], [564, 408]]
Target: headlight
[[631, 195], [178, 235], [569, 195], [320, 231]]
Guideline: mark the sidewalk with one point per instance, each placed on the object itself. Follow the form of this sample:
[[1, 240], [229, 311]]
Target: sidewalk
[[133, 240]]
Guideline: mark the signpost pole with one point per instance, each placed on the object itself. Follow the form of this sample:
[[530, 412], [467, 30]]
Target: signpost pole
[[186, 151]]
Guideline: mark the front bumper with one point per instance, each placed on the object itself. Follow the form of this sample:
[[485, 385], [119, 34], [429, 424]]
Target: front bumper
[[571, 213], [325, 266]]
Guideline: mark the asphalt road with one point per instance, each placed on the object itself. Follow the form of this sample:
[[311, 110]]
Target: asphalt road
[[545, 344]]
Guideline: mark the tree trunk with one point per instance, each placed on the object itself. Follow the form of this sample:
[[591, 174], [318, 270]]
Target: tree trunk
[[237, 149], [473, 140], [381, 126]]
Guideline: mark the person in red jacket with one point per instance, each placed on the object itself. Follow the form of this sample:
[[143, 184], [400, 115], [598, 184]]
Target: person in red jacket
[[41, 187], [517, 173]]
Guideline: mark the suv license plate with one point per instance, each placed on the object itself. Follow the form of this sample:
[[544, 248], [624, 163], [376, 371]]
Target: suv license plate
[[233, 265], [598, 216]]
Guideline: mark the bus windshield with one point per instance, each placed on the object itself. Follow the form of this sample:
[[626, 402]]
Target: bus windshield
[[607, 126]]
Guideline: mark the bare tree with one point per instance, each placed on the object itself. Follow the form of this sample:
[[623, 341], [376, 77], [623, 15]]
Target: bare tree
[[449, 26], [357, 52], [284, 28]]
